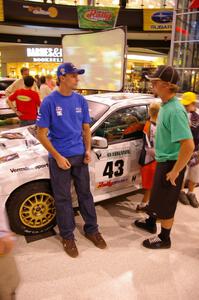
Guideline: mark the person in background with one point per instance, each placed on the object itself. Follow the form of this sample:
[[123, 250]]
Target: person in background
[[134, 127], [63, 128], [19, 83], [44, 88], [9, 276], [50, 82], [37, 80], [192, 173], [173, 149], [147, 161], [27, 102]]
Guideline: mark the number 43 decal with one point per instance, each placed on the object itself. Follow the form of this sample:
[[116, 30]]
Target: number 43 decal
[[119, 168]]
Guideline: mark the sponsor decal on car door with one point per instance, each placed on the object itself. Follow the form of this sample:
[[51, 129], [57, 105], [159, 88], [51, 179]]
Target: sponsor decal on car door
[[116, 167]]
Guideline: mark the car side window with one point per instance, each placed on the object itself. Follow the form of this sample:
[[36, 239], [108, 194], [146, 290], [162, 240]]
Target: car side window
[[126, 123]]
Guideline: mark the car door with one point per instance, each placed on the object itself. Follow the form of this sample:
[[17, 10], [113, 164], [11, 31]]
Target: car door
[[116, 168]]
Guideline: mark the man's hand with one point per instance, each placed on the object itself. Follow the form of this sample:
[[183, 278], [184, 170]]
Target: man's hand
[[172, 176], [63, 163], [87, 157], [6, 244]]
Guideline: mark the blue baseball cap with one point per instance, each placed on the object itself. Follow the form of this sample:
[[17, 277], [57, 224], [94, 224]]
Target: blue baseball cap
[[68, 68]]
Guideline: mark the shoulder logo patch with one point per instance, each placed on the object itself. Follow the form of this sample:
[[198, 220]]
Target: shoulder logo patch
[[78, 109], [59, 111]]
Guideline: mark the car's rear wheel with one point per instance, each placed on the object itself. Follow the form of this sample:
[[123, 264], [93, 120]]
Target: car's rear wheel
[[31, 209]]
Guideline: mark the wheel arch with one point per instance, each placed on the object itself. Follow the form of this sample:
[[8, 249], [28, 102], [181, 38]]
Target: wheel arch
[[23, 186]]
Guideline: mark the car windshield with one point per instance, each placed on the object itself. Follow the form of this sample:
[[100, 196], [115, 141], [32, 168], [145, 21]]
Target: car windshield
[[96, 110]]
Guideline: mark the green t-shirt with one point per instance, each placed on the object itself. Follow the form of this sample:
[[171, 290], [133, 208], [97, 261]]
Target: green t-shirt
[[172, 127]]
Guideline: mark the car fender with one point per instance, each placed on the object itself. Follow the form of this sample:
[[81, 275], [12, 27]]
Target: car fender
[[13, 176]]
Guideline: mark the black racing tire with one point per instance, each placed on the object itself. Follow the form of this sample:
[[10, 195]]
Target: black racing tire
[[31, 208]]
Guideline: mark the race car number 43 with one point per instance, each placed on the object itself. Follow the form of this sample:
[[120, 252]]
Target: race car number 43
[[114, 168]]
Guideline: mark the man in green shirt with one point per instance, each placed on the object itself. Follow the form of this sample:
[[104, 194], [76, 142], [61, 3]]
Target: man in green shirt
[[173, 149]]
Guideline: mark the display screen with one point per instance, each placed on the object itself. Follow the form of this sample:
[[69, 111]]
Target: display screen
[[101, 54]]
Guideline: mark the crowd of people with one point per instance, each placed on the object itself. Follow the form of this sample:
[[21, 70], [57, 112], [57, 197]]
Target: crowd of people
[[24, 96], [170, 144]]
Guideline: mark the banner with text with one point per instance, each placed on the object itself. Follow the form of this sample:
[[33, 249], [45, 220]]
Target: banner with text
[[157, 19], [97, 17]]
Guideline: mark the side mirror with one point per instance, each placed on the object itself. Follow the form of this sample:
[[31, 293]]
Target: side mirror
[[99, 142]]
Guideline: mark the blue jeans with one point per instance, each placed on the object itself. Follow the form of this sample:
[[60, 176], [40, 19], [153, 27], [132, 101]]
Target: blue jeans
[[61, 185]]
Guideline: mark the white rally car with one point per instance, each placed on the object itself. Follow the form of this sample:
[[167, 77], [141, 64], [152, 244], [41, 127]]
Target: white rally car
[[117, 123]]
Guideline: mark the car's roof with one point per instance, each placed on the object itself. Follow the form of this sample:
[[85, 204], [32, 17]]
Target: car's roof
[[122, 98]]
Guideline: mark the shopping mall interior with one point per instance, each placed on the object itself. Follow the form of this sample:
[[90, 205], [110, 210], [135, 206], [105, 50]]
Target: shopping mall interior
[[119, 52], [145, 50]]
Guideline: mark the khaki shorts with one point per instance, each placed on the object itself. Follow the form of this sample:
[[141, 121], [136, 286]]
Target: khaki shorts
[[9, 277], [192, 173]]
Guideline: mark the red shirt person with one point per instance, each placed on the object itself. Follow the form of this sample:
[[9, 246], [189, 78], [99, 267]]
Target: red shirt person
[[27, 102]]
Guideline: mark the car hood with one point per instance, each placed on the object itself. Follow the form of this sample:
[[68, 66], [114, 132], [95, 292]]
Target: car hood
[[15, 141]]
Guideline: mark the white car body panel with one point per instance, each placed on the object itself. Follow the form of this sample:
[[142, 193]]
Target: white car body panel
[[30, 161]]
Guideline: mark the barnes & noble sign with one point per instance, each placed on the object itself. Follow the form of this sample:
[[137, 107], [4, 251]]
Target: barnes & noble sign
[[45, 54]]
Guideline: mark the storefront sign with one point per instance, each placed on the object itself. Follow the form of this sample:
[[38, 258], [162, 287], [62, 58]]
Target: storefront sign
[[45, 54], [97, 17], [47, 59], [1, 11], [42, 13], [51, 11], [157, 20]]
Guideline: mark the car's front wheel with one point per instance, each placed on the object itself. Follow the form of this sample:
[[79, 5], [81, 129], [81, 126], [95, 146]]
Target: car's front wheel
[[31, 208]]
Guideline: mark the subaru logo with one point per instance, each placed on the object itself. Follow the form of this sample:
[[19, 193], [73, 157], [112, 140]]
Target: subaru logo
[[162, 17]]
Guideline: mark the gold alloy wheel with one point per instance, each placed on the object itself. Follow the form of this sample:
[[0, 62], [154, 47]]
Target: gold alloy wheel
[[37, 210]]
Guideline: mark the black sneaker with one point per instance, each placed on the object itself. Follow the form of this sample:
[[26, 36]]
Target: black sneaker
[[183, 198], [193, 200], [156, 243], [145, 226]]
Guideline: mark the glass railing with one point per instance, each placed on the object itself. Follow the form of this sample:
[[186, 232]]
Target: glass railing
[[130, 4], [150, 4]]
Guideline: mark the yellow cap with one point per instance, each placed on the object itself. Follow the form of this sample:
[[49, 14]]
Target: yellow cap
[[188, 98]]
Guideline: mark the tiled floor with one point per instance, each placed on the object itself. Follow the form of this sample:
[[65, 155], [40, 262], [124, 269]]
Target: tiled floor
[[124, 271]]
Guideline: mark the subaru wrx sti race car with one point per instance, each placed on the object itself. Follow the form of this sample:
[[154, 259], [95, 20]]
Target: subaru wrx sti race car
[[117, 123]]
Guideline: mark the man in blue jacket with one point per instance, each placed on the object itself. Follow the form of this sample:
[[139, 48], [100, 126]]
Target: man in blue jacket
[[65, 118]]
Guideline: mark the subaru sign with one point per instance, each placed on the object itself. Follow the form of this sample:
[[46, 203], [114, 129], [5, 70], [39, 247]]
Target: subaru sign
[[158, 20], [162, 17]]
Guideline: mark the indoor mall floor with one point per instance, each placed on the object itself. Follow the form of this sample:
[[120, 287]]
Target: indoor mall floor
[[124, 271]]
